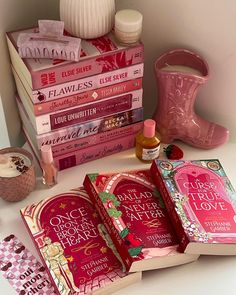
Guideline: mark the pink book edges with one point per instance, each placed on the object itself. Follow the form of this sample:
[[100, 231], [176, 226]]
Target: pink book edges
[[86, 97], [86, 112], [97, 56], [95, 152], [86, 84], [88, 141], [92, 153], [80, 130]]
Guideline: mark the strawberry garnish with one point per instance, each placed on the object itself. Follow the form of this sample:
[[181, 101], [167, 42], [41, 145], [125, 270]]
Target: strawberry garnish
[[173, 152]]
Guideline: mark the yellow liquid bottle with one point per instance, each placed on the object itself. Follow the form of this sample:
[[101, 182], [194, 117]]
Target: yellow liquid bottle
[[148, 142]]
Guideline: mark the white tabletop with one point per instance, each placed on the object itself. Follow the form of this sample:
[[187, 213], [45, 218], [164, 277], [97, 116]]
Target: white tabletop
[[208, 275]]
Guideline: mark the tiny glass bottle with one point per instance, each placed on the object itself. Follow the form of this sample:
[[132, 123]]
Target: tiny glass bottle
[[48, 166], [148, 142]]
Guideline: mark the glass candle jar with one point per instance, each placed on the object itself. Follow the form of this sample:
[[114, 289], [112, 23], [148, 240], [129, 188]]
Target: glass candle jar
[[128, 26], [17, 174]]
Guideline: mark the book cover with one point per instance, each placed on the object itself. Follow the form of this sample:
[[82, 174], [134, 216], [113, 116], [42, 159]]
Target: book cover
[[74, 245], [201, 202], [136, 219], [98, 56]]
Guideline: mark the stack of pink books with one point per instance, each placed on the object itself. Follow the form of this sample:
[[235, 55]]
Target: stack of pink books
[[85, 110]]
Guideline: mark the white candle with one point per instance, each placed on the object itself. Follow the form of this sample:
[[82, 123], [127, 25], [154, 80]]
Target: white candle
[[128, 26], [182, 69], [13, 164]]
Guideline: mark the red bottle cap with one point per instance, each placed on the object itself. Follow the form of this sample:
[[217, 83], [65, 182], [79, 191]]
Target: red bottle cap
[[46, 154], [149, 128]]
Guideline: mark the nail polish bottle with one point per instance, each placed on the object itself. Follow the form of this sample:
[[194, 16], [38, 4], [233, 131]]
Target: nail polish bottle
[[48, 166], [148, 142]]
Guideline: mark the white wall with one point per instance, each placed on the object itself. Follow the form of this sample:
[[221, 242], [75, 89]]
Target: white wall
[[15, 14], [205, 26], [4, 138]]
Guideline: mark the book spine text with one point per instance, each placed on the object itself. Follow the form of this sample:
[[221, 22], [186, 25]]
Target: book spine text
[[86, 97], [87, 84], [75, 132], [82, 143], [88, 67], [94, 152], [88, 112]]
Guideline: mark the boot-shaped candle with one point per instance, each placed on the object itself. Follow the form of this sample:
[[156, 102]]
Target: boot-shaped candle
[[48, 167], [179, 74]]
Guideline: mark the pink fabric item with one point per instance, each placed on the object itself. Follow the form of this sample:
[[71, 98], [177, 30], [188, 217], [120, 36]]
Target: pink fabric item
[[177, 90]]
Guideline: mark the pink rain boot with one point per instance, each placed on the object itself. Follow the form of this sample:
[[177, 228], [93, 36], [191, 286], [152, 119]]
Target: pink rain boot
[[175, 115]]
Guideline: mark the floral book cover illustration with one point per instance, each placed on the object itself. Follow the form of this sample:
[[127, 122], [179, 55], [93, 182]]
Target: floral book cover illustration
[[74, 245], [136, 218], [202, 197]]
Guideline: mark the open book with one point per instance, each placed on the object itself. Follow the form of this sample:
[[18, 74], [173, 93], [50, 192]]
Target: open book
[[74, 245]]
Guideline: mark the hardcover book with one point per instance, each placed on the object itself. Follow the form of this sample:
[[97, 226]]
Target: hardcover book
[[201, 202], [98, 56], [135, 217], [74, 245]]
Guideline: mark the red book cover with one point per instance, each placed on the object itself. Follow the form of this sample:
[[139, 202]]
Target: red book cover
[[74, 245], [202, 203], [136, 219]]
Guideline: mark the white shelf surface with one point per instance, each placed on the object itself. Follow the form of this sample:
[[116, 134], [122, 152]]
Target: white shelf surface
[[209, 275]]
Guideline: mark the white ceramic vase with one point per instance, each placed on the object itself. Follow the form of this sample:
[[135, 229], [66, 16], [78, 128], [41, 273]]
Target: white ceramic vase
[[87, 19]]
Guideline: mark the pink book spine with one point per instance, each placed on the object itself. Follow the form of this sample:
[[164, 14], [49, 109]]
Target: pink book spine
[[94, 152], [90, 128], [86, 97], [86, 84], [82, 143], [88, 112], [107, 221], [88, 67]]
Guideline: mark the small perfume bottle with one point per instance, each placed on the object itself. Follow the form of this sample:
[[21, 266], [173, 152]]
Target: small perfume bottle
[[148, 142], [48, 166]]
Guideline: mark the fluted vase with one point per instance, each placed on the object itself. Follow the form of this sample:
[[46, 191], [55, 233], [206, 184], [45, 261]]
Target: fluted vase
[[87, 19]]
